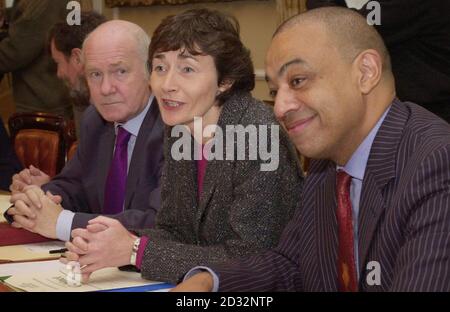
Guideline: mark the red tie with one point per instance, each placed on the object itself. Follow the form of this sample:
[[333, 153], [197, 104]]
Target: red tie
[[346, 257]]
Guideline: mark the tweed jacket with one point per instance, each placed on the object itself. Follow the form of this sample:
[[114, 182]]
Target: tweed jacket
[[242, 209], [403, 222], [82, 181]]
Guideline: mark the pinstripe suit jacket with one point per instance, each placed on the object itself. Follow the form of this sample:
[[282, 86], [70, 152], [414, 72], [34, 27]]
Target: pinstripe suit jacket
[[404, 221], [242, 210]]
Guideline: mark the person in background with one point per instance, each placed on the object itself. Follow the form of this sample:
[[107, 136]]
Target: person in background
[[3, 22], [417, 35], [65, 43], [23, 53], [212, 209]]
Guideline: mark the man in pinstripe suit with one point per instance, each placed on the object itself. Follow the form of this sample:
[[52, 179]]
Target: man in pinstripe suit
[[334, 92]]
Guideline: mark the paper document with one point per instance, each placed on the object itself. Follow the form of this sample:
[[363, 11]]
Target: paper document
[[54, 280], [4, 205], [29, 252], [9, 269]]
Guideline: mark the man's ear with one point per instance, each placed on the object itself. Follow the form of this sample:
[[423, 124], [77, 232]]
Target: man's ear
[[370, 67], [76, 56]]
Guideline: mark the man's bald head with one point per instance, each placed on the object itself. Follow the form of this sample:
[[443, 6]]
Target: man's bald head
[[115, 59], [121, 31], [347, 30]]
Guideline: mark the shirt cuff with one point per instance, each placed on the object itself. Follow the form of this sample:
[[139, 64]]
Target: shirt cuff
[[64, 225], [140, 253], [200, 269]]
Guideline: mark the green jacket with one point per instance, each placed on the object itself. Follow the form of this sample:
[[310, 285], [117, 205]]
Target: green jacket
[[24, 53]]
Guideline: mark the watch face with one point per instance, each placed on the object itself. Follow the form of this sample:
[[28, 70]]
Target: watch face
[[134, 251]]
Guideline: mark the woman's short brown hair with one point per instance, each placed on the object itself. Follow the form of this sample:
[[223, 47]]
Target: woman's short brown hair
[[208, 32]]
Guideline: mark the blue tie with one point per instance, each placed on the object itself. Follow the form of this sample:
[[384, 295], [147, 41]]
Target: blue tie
[[117, 176]]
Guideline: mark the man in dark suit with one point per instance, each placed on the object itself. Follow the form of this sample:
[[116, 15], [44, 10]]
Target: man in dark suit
[[374, 213], [420, 52], [9, 164], [117, 166]]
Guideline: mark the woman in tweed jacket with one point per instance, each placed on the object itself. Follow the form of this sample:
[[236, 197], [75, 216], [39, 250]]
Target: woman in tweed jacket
[[233, 208]]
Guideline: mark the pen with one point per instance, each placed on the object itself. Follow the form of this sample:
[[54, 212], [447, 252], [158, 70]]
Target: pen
[[56, 251]]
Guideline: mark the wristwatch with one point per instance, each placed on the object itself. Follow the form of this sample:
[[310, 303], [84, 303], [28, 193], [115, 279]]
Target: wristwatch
[[134, 251]]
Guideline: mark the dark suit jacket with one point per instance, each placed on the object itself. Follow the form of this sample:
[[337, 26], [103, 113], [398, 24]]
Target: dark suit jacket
[[9, 164], [82, 181], [242, 209], [403, 223], [420, 52]]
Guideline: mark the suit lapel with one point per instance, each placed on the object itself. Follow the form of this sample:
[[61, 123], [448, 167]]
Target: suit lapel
[[327, 229], [371, 209], [209, 185], [186, 181], [106, 148], [180, 184], [232, 112], [140, 158], [380, 170]]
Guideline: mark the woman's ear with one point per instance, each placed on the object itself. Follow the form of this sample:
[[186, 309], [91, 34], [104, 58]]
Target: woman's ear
[[225, 85], [369, 66]]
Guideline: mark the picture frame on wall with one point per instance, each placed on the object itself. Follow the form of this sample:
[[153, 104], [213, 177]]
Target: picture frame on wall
[[125, 3]]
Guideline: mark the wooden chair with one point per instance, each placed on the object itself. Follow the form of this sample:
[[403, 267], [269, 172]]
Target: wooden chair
[[71, 140], [39, 139], [72, 150]]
